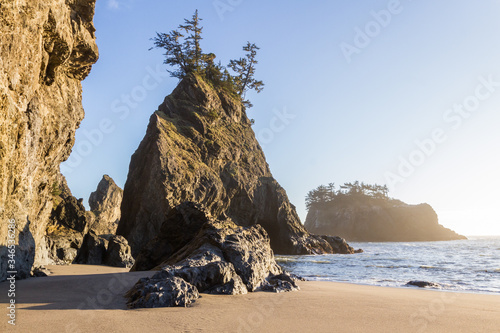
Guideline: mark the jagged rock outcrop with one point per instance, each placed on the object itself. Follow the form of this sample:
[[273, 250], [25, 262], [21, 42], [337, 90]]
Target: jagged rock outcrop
[[105, 205], [76, 235], [68, 224], [46, 49], [218, 258], [200, 147], [366, 219]]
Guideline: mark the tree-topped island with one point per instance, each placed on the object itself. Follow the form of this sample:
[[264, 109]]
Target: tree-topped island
[[363, 212]]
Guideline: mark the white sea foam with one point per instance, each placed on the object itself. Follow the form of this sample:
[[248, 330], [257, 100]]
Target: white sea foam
[[465, 265]]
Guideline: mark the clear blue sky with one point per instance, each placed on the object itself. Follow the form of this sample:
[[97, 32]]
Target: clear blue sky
[[361, 81]]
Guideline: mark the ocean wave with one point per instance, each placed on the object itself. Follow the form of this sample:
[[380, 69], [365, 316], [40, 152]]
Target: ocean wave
[[453, 266]]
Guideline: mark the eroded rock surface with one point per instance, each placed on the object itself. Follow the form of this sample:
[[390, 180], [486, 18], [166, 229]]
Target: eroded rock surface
[[160, 291], [68, 224], [105, 205], [364, 219], [46, 49], [219, 258], [200, 147], [118, 253]]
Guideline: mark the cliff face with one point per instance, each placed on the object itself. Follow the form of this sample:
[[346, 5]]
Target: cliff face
[[378, 220], [46, 49], [200, 147]]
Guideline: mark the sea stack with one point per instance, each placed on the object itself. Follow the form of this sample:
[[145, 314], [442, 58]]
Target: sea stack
[[200, 147], [367, 219]]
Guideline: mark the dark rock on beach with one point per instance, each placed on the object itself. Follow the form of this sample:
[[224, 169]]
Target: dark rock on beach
[[118, 253], [423, 284], [160, 291], [92, 250], [219, 258]]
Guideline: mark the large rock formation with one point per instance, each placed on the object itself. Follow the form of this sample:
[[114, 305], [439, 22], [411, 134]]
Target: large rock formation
[[366, 219], [105, 205], [200, 147], [46, 48], [68, 224], [215, 256]]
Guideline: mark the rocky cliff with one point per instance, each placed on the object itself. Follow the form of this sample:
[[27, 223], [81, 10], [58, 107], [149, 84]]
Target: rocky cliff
[[365, 219], [46, 49], [200, 147]]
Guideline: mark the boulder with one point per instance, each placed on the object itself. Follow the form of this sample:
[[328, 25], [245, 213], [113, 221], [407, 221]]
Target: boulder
[[161, 292], [339, 245], [118, 253], [423, 284], [40, 272]]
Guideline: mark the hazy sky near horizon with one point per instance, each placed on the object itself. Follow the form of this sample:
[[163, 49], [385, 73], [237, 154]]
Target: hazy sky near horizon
[[404, 93]]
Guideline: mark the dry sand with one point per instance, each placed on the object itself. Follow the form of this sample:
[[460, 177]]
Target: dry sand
[[82, 298]]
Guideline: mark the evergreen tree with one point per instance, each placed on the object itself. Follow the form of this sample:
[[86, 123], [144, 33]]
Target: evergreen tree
[[183, 52], [192, 43], [245, 71], [327, 194]]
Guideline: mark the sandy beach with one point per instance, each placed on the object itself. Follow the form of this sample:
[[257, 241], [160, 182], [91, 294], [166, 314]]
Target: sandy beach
[[84, 298]]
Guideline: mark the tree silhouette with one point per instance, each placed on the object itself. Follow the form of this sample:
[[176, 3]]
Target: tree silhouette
[[327, 194]]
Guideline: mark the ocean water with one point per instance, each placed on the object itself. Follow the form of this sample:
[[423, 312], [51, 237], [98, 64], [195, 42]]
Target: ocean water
[[466, 265]]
